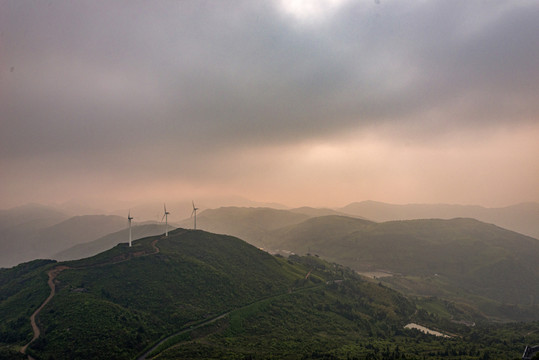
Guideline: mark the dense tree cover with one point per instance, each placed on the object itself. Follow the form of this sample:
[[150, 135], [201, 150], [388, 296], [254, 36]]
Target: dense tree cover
[[463, 260], [346, 320], [331, 323], [22, 289], [117, 304]]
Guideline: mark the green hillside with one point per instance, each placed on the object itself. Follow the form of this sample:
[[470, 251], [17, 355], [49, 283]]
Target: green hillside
[[215, 296], [347, 320], [22, 289], [122, 300], [315, 233], [458, 259]]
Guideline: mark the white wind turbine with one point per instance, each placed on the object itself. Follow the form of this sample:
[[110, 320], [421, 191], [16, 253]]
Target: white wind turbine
[[129, 218], [165, 216], [195, 213]]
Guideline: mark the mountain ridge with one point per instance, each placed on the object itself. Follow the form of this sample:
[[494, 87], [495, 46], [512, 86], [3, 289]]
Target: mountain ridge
[[430, 256], [522, 217]]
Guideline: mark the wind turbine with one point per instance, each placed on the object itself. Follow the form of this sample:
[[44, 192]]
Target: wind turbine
[[165, 216], [129, 218], [194, 212]]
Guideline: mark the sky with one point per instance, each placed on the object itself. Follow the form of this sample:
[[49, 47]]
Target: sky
[[299, 102]]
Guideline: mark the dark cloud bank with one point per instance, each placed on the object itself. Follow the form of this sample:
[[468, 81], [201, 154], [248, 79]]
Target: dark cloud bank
[[104, 86]]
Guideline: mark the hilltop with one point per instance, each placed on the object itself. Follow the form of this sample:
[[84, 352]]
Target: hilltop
[[522, 218]]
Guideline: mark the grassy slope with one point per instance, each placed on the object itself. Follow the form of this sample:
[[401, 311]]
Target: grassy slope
[[521, 218], [114, 311], [435, 257], [22, 289], [352, 319], [119, 309]]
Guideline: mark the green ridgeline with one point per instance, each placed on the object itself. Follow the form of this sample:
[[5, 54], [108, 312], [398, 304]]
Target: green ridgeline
[[120, 303], [464, 260]]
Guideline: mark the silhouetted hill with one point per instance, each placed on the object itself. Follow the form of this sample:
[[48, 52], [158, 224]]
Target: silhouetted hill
[[522, 218], [19, 227], [77, 230], [316, 212], [33, 215], [27, 241], [106, 242], [249, 224], [315, 232]]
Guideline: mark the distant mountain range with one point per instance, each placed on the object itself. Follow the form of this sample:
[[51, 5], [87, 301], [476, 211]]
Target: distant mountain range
[[109, 241], [252, 224], [466, 260], [34, 231]]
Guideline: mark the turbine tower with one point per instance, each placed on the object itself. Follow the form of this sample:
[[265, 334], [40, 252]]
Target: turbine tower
[[165, 216], [195, 213], [129, 218]]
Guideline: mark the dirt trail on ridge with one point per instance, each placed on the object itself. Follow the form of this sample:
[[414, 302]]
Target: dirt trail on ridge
[[53, 273]]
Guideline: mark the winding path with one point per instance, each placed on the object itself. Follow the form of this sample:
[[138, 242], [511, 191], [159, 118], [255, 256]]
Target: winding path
[[53, 273], [218, 317], [207, 322]]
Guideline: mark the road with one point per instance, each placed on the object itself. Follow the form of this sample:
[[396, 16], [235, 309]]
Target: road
[[207, 322]]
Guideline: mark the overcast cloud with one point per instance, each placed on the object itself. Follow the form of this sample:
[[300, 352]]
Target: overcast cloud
[[318, 102]]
